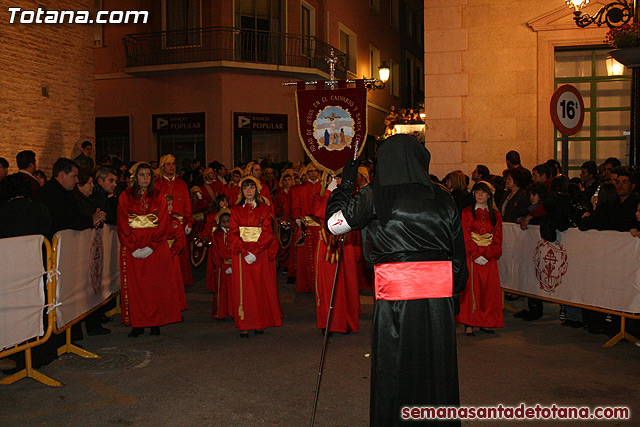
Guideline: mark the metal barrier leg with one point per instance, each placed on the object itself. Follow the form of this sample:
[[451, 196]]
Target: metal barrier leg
[[508, 306], [68, 347], [116, 309], [29, 372], [622, 335]]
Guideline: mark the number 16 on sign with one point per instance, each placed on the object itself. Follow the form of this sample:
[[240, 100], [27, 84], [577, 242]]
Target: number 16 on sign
[[567, 114]]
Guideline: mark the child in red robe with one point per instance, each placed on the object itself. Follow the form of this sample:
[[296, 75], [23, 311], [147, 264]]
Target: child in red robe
[[177, 240], [219, 267]]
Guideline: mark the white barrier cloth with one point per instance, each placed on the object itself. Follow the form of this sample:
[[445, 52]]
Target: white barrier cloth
[[22, 297], [595, 268], [89, 266]]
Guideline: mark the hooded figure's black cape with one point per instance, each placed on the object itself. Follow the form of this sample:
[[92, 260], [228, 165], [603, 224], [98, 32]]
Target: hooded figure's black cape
[[404, 217]]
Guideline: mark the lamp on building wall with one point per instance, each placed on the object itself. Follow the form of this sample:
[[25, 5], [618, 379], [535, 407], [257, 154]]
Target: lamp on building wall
[[615, 14], [383, 74], [614, 68]]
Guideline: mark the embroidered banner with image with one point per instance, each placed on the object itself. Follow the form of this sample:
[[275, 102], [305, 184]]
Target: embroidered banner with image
[[332, 123]]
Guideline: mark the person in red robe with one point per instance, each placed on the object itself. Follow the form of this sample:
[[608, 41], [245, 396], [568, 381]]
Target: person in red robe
[[177, 242], [302, 212], [219, 267], [253, 169], [212, 186], [232, 189], [282, 208], [148, 289], [481, 301], [169, 183], [346, 302], [253, 247]]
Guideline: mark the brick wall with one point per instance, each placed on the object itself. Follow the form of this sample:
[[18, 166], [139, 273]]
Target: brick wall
[[58, 57]]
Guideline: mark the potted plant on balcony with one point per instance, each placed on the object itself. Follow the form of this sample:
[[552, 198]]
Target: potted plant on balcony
[[626, 40]]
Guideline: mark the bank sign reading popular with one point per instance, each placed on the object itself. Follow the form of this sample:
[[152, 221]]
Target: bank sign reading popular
[[178, 123], [257, 122]]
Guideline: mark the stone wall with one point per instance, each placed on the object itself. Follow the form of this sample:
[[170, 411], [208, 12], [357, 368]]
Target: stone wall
[[46, 85]]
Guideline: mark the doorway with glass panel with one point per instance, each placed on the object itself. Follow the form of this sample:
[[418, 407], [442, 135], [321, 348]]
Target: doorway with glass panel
[[605, 87]]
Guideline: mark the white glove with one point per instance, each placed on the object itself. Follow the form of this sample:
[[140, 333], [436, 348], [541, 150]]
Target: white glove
[[250, 258], [187, 229], [332, 185], [299, 222], [227, 271], [481, 260], [142, 252]]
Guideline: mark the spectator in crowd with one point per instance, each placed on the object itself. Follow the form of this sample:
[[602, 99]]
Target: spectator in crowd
[[19, 216], [480, 173], [4, 168], [57, 195], [84, 190], [605, 207], [456, 184], [541, 174], [560, 215], [555, 168], [26, 161], [104, 160], [103, 197], [589, 178], [481, 300], [149, 295], [579, 202], [607, 166], [221, 172], [41, 177], [513, 162], [84, 159], [515, 202], [628, 198]]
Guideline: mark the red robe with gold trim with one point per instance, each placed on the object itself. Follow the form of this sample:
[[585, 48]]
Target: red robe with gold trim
[[148, 288], [481, 300], [181, 206], [346, 303], [255, 289], [219, 260], [232, 190], [177, 242], [302, 206]]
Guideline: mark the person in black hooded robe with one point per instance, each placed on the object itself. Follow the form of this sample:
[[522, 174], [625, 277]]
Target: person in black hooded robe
[[410, 226]]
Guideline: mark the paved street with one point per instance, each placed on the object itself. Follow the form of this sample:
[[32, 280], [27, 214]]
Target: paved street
[[200, 373]]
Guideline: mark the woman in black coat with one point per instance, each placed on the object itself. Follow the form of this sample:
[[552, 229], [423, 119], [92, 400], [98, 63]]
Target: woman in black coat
[[515, 200]]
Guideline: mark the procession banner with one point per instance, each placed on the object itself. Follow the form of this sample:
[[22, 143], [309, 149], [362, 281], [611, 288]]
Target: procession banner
[[332, 123], [22, 297], [89, 266], [595, 268]]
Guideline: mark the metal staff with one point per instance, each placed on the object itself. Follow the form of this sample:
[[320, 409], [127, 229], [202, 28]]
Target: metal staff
[[326, 330]]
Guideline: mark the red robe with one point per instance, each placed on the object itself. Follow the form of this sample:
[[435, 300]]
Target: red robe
[[177, 242], [481, 301], [302, 207], [181, 206], [148, 288], [346, 303], [219, 260], [255, 288], [231, 190]]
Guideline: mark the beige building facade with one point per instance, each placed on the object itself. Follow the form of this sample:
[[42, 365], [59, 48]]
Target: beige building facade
[[491, 68]]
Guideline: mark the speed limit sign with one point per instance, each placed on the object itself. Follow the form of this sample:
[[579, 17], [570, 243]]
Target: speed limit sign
[[567, 110]]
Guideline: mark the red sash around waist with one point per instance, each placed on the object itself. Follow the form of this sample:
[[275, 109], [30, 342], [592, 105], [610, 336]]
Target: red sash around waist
[[413, 280]]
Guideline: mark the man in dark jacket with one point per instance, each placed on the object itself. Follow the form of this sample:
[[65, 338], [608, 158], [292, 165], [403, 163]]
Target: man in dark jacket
[[57, 196], [412, 235], [105, 182]]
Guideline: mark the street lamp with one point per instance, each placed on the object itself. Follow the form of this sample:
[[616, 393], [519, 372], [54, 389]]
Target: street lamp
[[615, 14], [383, 73]]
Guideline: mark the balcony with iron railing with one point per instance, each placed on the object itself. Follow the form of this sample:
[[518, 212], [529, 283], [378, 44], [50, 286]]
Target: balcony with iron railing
[[205, 45]]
